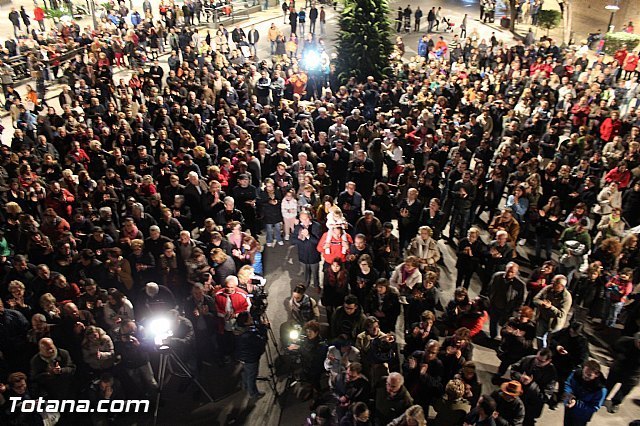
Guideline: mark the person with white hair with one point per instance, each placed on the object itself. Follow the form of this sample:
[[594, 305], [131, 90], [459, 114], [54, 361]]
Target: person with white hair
[[230, 302]]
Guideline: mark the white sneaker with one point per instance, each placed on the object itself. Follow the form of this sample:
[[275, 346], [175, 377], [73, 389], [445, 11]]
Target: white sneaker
[[286, 238], [522, 241], [280, 243], [271, 244]]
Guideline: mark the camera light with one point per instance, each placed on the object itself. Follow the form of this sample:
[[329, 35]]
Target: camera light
[[160, 329], [294, 334]]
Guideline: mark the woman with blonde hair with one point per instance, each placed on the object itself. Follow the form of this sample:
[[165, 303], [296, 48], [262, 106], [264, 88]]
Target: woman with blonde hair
[[221, 266], [413, 416], [97, 349], [49, 306]]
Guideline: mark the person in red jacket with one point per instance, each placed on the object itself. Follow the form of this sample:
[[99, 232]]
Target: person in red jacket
[[38, 15], [229, 301], [580, 114], [60, 200], [333, 245], [620, 174], [630, 64], [619, 57], [610, 127]]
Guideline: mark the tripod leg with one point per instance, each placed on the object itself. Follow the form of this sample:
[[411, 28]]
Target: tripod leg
[[186, 371], [162, 366]]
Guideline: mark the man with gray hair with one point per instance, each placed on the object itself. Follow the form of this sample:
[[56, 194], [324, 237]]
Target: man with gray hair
[[392, 398], [553, 304], [228, 215], [194, 191], [506, 294], [230, 301]]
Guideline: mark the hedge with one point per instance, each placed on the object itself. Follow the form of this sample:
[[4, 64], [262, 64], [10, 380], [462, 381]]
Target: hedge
[[614, 41]]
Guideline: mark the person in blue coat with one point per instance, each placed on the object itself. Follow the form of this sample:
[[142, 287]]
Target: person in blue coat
[[584, 394], [423, 46]]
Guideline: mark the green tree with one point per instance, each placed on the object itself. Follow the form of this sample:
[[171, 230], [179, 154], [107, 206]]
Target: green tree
[[549, 19], [364, 43]]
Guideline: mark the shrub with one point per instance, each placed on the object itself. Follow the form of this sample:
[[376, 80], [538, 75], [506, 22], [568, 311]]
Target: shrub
[[614, 41]]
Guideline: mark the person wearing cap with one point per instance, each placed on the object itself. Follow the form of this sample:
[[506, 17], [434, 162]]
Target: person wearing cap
[[584, 394], [624, 370], [509, 407]]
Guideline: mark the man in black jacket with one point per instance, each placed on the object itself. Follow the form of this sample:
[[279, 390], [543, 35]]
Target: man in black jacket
[[250, 343], [506, 294], [570, 349], [508, 404], [538, 377], [625, 369], [306, 235]]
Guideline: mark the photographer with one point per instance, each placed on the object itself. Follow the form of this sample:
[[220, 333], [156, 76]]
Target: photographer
[[313, 350], [182, 338], [200, 309], [352, 386], [134, 359], [254, 286], [250, 342]]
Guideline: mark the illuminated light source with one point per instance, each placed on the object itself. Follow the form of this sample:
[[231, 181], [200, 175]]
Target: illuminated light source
[[294, 334], [160, 329]]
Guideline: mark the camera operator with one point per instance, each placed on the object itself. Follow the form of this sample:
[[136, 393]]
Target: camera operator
[[312, 350], [200, 309], [230, 302], [154, 299], [182, 338], [250, 341], [254, 286], [134, 359]]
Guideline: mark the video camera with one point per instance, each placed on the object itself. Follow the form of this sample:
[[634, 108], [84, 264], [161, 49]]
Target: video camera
[[258, 296]]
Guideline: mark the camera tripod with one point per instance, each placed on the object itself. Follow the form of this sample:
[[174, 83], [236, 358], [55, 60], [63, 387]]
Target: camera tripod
[[168, 355], [272, 378]]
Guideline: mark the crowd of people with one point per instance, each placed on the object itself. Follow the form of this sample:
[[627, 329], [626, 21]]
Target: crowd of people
[[160, 195]]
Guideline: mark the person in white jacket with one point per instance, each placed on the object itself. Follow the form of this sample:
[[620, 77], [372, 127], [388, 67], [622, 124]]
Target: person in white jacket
[[117, 309], [289, 212], [339, 356]]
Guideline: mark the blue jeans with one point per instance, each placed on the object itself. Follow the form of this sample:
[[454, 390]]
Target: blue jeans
[[249, 376], [273, 48], [270, 228], [613, 310], [311, 271]]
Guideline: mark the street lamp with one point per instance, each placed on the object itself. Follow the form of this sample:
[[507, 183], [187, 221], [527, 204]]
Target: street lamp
[[613, 8]]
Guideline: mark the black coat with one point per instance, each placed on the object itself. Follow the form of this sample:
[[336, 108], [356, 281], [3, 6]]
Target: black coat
[[307, 251]]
